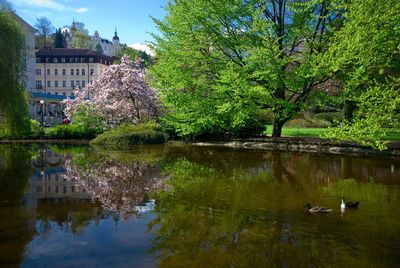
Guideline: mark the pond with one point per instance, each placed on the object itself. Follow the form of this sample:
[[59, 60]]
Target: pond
[[187, 206]]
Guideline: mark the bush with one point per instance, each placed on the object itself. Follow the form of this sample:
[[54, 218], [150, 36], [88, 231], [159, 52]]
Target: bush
[[36, 131], [71, 132], [127, 134]]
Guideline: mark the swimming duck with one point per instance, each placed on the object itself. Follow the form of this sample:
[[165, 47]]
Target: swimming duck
[[349, 204], [317, 209]]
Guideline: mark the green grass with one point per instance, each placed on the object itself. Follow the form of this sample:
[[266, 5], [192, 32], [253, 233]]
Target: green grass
[[298, 131]]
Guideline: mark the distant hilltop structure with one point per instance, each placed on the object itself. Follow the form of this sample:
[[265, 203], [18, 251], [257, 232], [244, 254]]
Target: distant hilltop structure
[[97, 43]]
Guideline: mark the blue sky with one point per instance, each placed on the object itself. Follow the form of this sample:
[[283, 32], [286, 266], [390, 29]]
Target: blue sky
[[131, 17]]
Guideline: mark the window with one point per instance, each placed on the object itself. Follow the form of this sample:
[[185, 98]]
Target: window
[[76, 59], [63, 60], [38, 71], [64, 94], [90, 60], [56, 190], [91, 72], [48, 84], [63, 72], [55, 71], [72, 84], [56, 93], [83, 72], [38, 84], [48, 71], [64, 83], [55, 60], [82, 59], [38, 60], [77, 83], [72, 71], [72, 94], [83, 83], [47, 59], [77, 71], [55, 83], [71, 59]]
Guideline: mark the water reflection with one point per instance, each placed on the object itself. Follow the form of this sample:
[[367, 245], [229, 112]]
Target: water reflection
[[180, 206]]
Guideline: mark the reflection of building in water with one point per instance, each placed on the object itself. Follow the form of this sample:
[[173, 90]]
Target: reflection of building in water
[[48, 182]]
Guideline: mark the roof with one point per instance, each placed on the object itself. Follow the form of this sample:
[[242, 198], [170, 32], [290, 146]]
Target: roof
[[66, 52], [41, 95], [27, 25]]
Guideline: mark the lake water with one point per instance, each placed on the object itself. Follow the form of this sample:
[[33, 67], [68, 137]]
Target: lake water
[[186, 206]]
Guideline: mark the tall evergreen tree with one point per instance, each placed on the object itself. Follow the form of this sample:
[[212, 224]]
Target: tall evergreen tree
[[99, 49], [59, 39]]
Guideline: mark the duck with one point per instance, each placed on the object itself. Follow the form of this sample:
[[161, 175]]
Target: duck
[[349, 204], [317, 209]]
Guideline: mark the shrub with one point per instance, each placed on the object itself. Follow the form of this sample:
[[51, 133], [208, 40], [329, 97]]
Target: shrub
[[127, 134], [71, 132], [36, 131]]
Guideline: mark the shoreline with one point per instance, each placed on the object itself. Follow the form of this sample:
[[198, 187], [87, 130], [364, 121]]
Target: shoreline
[[283, 144], [305, 145], [78, 142]]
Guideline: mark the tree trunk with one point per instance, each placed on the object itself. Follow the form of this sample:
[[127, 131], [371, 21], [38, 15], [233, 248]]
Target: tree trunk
[[277, 128], [348, 109]]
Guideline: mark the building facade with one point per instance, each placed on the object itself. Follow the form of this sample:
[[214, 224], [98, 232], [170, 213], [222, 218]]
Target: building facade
[[58, 72], [28, 55]]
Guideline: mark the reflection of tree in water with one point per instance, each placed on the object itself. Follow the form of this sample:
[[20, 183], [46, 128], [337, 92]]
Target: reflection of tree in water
[[115, 185], [251, 216], [16, 228]]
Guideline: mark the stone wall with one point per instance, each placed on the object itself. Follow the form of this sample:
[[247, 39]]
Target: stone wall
[[308, 145]]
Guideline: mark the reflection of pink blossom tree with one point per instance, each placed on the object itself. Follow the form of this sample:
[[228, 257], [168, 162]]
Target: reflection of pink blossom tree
[[120, 94], [118, 187]]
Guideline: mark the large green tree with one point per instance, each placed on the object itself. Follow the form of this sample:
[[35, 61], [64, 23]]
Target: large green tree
[[220, 62], [13, 103], [366, 56]]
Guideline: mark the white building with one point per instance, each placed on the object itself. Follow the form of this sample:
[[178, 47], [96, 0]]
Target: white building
[[59, 71], [109, 48]]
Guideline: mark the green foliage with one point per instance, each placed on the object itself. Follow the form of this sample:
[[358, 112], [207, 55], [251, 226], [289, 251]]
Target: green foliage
[[127, 134], [72, 131], [377, 115], [81, 40], [133, 54], [99, 49], [36, 131], [88, 120], [365, 55], [14, 121], [59, 39]]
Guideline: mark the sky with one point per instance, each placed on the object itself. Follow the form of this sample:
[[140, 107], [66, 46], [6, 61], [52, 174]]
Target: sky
[[130, 17]]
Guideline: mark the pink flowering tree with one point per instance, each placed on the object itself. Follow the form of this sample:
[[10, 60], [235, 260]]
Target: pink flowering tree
[[119, 95]]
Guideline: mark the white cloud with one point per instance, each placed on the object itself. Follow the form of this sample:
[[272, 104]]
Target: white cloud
[[81, 10], [142, 47], [49, 4]]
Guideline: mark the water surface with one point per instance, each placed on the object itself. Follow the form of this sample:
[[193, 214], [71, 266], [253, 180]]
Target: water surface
[[184, 206]]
